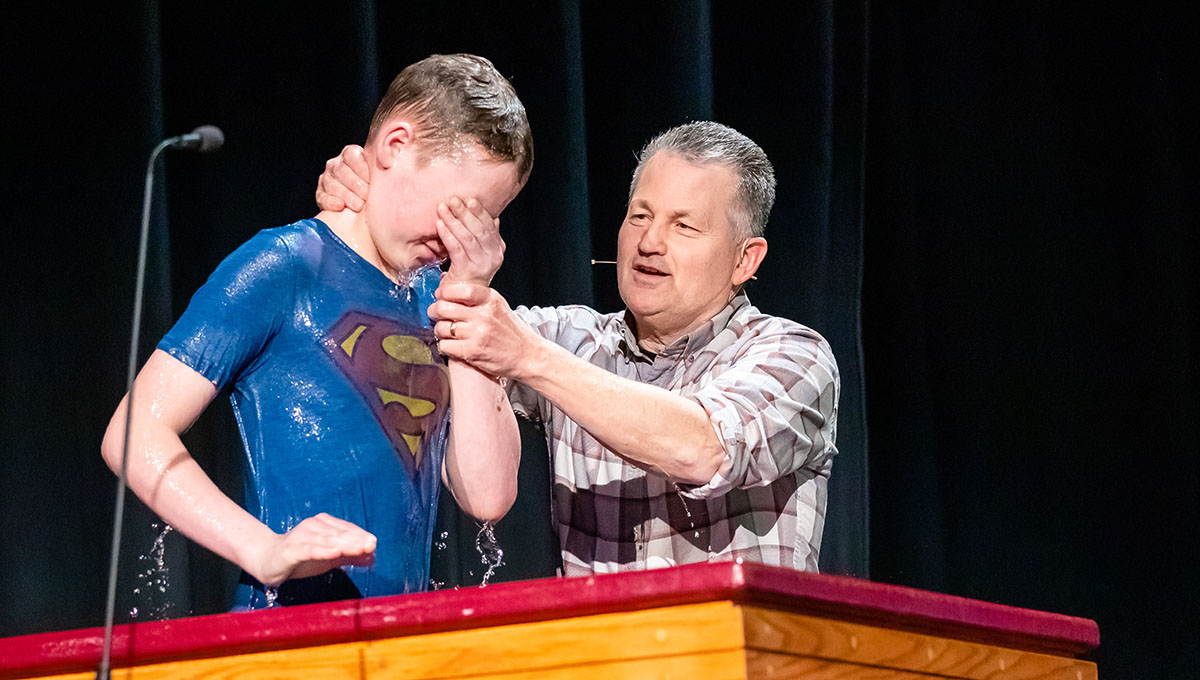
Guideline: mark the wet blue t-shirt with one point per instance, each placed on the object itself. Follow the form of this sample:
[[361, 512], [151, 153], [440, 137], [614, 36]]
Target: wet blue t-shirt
[[340, 395]]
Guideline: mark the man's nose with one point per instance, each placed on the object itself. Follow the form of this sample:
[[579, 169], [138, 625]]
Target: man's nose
[[653, 240]]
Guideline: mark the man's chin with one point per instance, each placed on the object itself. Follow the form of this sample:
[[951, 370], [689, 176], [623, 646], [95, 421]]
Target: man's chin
[[643, 309]]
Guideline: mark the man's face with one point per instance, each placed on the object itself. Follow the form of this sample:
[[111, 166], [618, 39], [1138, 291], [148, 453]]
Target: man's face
[[402, 209], [676, 251]]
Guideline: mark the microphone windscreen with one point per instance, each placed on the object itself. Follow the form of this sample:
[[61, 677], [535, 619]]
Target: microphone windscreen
[[211, 138]]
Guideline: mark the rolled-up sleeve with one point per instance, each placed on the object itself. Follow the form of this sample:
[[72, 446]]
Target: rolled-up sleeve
[[773, 408], [544, 321]]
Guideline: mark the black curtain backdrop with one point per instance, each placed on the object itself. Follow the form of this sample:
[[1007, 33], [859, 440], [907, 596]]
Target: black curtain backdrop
[[1029, 314], [1005, 197]]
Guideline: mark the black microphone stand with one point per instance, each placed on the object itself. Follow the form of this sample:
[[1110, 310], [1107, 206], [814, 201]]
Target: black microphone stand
[[204, 139], [104, 672]]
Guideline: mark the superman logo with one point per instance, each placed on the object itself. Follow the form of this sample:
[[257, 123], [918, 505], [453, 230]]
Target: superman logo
[[398, 377]]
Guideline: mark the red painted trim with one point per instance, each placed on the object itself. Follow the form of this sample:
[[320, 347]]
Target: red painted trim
[[836, 597]]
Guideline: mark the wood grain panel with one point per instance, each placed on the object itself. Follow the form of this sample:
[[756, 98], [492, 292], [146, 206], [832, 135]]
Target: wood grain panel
[[796, 634], [773, 666], [720, 665], [574, 642], [330, 662]]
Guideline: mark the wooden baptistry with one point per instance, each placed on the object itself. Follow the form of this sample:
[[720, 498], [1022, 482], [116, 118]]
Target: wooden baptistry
[[720, 620]]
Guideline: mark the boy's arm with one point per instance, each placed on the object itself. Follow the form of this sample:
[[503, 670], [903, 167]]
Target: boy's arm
[[168, 397], [484, 451]]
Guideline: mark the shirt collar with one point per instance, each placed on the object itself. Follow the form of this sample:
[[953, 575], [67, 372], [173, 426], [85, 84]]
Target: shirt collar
[[688, 344]]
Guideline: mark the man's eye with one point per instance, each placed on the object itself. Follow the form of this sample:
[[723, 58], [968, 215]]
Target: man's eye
[[687, 227]]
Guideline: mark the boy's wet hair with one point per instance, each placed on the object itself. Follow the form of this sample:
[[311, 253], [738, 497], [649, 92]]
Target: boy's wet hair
[[452, 97]]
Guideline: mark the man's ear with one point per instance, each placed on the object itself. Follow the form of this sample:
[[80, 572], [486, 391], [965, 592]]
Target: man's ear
[[754, 249], [395, 138]]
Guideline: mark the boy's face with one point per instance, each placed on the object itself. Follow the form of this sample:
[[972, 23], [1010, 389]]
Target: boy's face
[[404, 196]]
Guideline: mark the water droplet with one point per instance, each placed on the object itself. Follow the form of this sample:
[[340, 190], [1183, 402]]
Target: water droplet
[[272, 594], [155, 577], [490, 552], [691, 520]]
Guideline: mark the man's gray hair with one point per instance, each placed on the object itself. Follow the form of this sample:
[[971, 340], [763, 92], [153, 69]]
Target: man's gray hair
[[706, 142]]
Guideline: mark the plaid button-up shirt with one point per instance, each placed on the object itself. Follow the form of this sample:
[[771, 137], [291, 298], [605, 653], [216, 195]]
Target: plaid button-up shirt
[[770, 387]]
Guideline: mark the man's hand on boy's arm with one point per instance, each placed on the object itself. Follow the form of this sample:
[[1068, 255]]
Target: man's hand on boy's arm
[[168, 397], [647, 425], [344, 182]]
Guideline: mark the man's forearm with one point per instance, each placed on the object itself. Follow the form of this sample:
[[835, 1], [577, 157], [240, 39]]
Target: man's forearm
[[648, 425], [485, 447]]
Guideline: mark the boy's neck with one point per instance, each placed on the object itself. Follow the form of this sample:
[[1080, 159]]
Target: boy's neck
[[351, 227]]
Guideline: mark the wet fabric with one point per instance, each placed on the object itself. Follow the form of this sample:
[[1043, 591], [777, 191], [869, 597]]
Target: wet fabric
[[339, 393]]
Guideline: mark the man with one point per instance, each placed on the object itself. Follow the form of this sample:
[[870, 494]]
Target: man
[[342, 401], [691, 427]]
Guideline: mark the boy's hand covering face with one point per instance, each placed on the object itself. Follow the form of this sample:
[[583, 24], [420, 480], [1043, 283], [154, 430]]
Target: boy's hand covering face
[[471, 237]]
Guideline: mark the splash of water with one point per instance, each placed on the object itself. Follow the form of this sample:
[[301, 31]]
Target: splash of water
[[683, 500], [439, 545], [490, 552], [154, 578], [272, 593], [695, 532]]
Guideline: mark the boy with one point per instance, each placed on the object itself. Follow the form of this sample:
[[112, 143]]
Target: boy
[[340, 394]]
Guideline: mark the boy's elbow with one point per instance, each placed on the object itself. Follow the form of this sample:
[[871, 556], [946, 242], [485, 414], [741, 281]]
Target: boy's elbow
[[491, 510], [113, 444]]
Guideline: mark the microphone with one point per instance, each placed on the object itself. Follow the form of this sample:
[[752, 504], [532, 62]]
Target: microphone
[[596, 262], [204, 139]]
